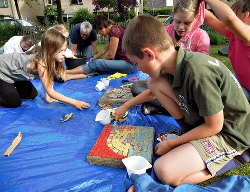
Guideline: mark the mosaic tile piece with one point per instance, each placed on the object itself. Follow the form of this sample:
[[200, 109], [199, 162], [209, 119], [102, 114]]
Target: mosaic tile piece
[[115, 96]]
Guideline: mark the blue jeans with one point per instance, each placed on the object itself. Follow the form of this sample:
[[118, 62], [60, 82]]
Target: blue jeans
[[86, 51], [104, 66]]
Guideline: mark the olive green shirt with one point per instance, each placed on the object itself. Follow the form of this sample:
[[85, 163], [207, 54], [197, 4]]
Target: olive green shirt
[[204, 86]]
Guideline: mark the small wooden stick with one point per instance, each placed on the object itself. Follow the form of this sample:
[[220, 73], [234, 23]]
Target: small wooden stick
[[15, 142]]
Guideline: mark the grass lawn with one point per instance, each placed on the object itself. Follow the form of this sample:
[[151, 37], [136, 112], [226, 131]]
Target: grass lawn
[[244, 170], [224, 59]]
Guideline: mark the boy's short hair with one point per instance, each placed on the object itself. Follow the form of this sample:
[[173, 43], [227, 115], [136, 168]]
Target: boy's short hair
[[28, 40], [145, 31], [86, 27]]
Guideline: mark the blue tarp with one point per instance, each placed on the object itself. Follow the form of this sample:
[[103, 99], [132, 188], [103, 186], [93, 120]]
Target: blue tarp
[[52, 156]]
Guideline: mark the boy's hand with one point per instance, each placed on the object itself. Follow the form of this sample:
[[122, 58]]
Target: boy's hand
[[120, 112], [81, 105], [163, 147]]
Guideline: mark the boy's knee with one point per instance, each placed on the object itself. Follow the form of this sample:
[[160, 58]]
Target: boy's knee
[[138, 87], [152, 83], [165, 175], [157, 83]]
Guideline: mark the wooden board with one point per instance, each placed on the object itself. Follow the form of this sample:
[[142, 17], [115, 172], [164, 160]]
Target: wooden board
[[115, 96], [117, 142]]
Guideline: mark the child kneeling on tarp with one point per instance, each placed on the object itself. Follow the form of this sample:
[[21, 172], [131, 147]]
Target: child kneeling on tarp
[[197, 90]]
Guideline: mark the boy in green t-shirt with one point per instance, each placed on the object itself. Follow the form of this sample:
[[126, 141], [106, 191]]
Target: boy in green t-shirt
[[199, 92]]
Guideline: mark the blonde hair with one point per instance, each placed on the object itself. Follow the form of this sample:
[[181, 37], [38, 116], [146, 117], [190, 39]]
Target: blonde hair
[[51, 43], [145, 31], [241, 6], [186, 6], [60, 27]]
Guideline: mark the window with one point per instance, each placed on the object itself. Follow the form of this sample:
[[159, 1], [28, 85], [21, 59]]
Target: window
[[169, 3], [3, 3], [78, 2], [51, 2]]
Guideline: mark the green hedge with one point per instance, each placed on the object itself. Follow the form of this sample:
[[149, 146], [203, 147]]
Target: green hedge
[[157, 11], [80, 16], [7, 31], [117, 18], [215, 37]]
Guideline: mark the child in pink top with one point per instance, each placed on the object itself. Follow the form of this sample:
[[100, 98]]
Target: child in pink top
[[235, 25], [185, 31]]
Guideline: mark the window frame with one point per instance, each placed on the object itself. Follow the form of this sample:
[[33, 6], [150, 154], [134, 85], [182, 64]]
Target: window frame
[[5, 4], [76, 2]]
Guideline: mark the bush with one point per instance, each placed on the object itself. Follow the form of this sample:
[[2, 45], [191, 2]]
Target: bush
[[51, 15], [80, 16], [215, 37], [7, 31], [117, 18], [157, 11]]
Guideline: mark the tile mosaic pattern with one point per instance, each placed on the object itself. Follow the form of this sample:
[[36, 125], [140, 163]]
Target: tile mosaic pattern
[[120, 141]]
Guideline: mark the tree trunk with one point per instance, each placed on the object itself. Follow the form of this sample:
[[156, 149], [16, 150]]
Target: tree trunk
[[59, 10], [17, 9]]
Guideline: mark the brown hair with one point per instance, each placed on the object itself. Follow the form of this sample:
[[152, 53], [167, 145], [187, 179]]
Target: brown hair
[[34, 50], [145, 31], [186, 6], [241, 6], [28, 40], [101, 22], [51, 43]]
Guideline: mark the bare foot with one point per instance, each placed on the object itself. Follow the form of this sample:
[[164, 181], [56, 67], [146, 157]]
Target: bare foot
[[50, 99], [131, 189]]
